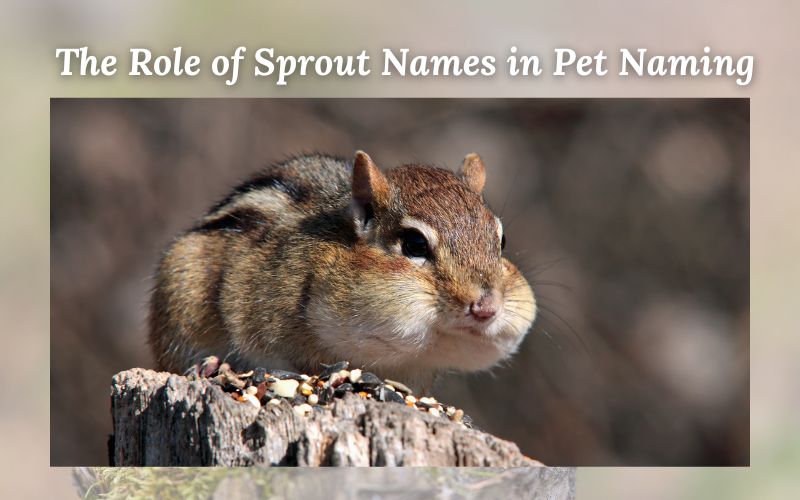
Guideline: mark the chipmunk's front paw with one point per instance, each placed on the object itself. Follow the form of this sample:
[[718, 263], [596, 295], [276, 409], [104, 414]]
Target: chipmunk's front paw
[[206, 368], [218, 372]]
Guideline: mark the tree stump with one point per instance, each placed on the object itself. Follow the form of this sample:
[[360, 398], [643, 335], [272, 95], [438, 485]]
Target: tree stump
[[162, 419]]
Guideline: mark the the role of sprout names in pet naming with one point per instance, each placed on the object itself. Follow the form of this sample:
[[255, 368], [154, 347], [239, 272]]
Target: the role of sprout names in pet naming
[[280, 69]]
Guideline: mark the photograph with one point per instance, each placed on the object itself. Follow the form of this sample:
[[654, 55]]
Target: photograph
[[499, 282]]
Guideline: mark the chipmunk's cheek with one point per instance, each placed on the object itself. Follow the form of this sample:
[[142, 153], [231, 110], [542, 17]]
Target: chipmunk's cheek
[[383, 320]]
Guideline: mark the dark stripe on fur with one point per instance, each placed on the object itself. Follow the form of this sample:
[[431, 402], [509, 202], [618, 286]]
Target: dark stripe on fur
[[241, 220], [278, 181]]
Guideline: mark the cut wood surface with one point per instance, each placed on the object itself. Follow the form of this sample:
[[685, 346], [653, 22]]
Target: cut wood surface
[[162, 419]]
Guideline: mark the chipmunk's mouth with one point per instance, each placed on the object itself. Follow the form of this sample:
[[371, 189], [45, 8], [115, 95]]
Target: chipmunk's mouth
[[467, 326]]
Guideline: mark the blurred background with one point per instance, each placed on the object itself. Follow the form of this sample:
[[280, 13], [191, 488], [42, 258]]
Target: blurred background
[[629, 216]]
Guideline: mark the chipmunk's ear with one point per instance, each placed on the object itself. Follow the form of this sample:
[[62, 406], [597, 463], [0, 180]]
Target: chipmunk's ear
[[370, 190], [473, 172]]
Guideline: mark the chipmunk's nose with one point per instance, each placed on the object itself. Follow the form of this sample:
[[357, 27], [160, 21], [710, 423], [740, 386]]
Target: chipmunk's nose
[[486, 307]]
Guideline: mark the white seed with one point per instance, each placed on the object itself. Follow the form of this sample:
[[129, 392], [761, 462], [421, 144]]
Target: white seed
[[313, 399], [451, 411], [285, 388], [304, 377], [250, 399], [344, 373], [302, 410], [428, 401], [390, 387], [411, 399], [252, 390], [305, 389], [355, 375], [433, 411], [274, 401]]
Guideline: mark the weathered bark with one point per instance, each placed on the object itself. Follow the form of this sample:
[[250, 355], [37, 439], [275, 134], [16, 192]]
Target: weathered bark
[[162, 419]]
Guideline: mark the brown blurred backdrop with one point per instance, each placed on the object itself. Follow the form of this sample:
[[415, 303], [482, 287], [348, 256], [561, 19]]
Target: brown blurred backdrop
[[630, 218]]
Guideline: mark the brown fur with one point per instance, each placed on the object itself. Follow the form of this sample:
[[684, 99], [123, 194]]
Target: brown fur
[[283, 268]]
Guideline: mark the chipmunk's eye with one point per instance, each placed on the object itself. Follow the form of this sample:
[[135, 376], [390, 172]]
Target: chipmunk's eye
[[413, 244], [502, 242]]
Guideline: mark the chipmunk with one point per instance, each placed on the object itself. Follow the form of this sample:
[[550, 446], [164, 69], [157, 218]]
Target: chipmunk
[[318, 260]]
